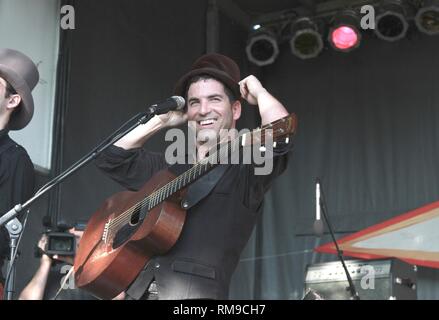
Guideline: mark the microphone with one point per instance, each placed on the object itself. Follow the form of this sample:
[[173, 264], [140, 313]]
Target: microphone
[[318, 223], [170, 104]]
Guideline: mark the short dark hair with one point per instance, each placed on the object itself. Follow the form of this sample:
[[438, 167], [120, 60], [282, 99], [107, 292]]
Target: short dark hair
[[9, 90], [227, 90]]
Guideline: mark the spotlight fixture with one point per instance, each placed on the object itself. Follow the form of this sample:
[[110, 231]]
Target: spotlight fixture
[[344, 35], [427, 18], [306, 41], [391, 22], [262, 48]]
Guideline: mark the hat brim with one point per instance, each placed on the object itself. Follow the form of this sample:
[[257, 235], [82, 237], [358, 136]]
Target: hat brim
[[24, 114], [181, 86]]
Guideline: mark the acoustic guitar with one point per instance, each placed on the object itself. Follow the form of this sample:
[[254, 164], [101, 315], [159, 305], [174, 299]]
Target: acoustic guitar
[[132, 227]]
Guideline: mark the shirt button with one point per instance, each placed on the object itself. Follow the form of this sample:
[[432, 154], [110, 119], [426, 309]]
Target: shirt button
[[157, 265]]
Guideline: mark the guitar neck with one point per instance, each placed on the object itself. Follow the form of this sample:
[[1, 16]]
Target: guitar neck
[[186, 178]]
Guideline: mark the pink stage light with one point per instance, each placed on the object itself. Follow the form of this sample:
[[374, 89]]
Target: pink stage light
[[344, 38]]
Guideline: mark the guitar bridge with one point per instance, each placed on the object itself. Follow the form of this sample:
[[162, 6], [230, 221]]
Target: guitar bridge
[[106, 233]]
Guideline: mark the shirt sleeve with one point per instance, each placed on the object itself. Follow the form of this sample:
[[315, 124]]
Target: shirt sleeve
[[24, 178], [130, 168], [260, 177]]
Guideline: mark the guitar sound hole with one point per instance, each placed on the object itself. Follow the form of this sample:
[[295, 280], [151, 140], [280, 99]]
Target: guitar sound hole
[[135, 217]]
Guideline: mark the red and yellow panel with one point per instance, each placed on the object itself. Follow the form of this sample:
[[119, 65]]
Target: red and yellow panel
[[412, 237]]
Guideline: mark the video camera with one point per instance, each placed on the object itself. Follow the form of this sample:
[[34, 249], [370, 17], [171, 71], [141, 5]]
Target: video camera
[[59, 240]]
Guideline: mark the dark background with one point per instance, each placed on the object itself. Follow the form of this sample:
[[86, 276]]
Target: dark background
[[367, 126]]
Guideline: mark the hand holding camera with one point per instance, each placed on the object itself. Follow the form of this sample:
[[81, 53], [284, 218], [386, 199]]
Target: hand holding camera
[[60, 244]]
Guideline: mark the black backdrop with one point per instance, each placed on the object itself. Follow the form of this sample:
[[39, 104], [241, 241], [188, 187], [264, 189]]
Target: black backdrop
[[367, 128]]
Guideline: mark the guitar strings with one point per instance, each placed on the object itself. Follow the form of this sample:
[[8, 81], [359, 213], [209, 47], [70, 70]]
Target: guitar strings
[[154, 198]]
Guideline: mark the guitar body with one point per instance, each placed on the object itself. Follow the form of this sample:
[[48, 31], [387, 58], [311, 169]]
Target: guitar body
[[106, 269]]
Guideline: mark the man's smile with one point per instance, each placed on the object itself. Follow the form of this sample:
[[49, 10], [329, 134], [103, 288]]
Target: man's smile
[[207, 123]]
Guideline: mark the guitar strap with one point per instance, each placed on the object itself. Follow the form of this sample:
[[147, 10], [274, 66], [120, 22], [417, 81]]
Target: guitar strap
[[202, 186], [195, 193]]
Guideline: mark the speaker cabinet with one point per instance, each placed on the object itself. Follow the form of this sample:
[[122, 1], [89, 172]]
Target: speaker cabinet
[[387, 279]]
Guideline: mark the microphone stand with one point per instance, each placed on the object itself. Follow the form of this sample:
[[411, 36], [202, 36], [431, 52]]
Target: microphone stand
[[322, 203], [14, 227]]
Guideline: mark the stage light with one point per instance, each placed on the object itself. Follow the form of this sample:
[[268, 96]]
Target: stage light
[[344, 35], [391, 22], [427, 18], [262, 48], [306, 41]]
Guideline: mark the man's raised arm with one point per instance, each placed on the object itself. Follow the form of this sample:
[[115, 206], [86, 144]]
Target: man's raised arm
[[270, 108]]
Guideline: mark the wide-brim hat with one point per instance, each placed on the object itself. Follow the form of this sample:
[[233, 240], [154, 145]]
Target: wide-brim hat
[[22, 74], [215, 65]]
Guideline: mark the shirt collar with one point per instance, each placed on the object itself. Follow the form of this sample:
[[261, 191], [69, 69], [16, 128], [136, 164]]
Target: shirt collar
[[3, 134]]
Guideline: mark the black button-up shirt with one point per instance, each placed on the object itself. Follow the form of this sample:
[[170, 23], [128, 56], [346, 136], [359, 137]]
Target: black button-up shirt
[[16, 182]]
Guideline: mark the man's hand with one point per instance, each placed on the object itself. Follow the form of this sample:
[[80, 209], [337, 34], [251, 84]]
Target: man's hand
[[270, 108], [42, 244], [77, 233], [173, 118], [251, 88]]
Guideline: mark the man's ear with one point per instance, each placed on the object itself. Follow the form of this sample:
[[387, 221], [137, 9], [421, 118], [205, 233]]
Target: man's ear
[[236, 110], [13, 101]]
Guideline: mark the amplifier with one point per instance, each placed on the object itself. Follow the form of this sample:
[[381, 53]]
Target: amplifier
[[387, 279]]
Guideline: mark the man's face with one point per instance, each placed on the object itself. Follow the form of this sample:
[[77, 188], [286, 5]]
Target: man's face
[[209, 107]]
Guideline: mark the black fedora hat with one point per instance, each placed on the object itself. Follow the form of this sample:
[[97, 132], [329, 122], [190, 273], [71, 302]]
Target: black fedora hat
[[215, 65], [22, 74]]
